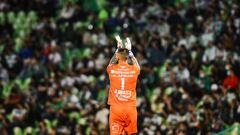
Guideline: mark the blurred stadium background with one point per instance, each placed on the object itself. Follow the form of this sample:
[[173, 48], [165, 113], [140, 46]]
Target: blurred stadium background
[[53, 55]]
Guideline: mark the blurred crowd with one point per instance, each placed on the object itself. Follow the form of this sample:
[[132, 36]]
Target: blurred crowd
[[54, 54]]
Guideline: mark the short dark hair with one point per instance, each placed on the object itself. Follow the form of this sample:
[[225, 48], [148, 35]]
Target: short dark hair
[[123, 52]]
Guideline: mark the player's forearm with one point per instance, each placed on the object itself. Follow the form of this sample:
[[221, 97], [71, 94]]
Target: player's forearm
[[135, 62], [133, 59], [113, 59]]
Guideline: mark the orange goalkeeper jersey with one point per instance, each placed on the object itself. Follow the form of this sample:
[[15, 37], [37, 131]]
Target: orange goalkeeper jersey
[[123, 80]]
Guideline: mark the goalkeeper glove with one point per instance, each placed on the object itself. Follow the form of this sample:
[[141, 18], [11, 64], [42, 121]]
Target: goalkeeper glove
[[119, 41], [128, 44]]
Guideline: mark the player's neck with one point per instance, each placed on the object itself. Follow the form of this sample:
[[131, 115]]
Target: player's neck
[[122, 61]]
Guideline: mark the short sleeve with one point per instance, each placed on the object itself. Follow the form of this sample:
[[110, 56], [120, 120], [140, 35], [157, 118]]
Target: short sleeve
[[109, 67]]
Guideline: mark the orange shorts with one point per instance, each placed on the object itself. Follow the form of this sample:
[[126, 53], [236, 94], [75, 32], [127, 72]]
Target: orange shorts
[[123, 120]]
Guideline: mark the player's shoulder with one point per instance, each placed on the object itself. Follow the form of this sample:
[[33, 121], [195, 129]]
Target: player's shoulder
[[136, 68], [112, 66]]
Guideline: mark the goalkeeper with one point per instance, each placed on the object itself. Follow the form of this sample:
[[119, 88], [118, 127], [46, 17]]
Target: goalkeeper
[[123, 71]]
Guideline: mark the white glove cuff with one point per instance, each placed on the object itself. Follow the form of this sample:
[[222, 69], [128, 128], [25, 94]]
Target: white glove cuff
[[130, 54]]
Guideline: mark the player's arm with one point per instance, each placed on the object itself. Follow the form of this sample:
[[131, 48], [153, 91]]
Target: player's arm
[[114, 60], [132, 59]]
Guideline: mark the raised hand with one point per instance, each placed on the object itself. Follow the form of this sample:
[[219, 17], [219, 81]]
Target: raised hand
[[128, 44], [119, 41]]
